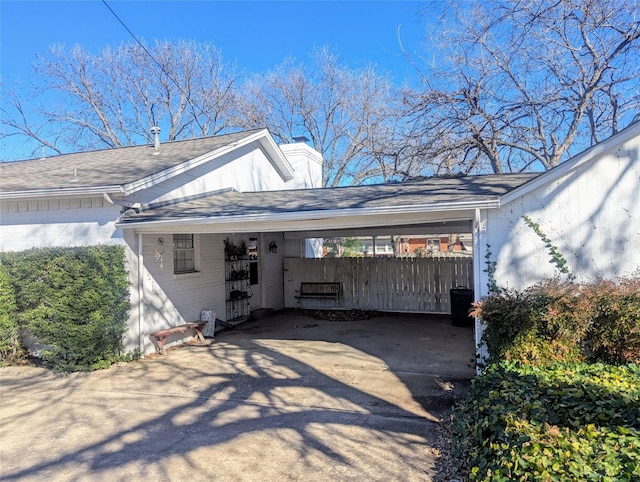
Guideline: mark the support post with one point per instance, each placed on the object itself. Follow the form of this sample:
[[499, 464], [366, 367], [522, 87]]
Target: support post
[[140, 291]]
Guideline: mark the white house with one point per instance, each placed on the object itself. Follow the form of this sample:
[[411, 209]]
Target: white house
[[174, 210], [78, 199]]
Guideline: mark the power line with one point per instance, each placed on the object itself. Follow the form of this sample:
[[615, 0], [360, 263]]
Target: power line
[[188, 97]]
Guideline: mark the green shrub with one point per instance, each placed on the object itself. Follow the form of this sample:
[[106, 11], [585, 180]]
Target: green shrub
[[614, 310], [10, 349], [507, 317], [564, 321], [561, 422], [75, 301], [538, 411]]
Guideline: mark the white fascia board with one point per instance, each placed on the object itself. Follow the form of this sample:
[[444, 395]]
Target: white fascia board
[[262, 136], [319, 215], [277, 157], [327, 225], [570, 165], [65, 192]]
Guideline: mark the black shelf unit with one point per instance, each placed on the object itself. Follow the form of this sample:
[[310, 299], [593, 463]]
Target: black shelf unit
[[238, 289]]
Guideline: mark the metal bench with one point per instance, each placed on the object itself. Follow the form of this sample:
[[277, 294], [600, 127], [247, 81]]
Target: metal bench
[[160, 336], [323, 290]]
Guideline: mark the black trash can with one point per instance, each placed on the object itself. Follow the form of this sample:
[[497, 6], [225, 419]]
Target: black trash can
[[461, 301]]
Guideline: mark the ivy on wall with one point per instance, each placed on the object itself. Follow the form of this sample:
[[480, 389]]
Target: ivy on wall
[[555, 256]]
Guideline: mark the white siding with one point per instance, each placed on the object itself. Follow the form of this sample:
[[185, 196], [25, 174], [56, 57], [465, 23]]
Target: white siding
[[272, 272], [245, 169], [58, 222], [170, 299], [592, 215]]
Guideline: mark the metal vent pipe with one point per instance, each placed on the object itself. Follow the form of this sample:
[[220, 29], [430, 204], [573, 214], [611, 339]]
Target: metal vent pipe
[[155, 130]]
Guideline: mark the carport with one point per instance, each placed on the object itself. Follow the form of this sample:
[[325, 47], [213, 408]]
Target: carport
[[291, 220]]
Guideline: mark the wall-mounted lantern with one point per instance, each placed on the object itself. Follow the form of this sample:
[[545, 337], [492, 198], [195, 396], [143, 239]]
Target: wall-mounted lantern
[[273, 247]]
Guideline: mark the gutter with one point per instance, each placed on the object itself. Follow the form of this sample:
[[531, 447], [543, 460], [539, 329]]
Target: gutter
[[67, 191], [316, 215], [125, 206]]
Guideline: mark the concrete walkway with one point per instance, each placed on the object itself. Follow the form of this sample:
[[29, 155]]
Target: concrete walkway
[[288, 397]]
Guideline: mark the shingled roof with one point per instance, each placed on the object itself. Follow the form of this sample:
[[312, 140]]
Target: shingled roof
[[439, 191], [108, 167]]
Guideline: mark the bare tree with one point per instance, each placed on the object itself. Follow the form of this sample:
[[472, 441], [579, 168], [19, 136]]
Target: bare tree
[[520, 84], [111, 99], [347, 114]]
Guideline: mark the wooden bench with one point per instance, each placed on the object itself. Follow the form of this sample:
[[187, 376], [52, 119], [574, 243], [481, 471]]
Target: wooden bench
[[324, 290], [160, 336]]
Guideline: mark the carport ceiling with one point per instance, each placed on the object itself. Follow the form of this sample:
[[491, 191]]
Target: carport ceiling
[[450, 227], [432, 200]]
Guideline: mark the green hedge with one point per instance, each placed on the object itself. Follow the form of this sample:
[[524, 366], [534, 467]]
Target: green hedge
[[564, 321], [75, 301], [10, 349], [561, 422]]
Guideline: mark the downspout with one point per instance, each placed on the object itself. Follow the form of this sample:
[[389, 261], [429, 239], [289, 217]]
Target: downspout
[[140, 291], [125, 206]]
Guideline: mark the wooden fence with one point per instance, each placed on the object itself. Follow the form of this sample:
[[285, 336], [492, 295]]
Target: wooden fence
[[383, 284]]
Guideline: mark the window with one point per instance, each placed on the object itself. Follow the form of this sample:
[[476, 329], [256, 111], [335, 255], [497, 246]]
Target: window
[[183, 254]]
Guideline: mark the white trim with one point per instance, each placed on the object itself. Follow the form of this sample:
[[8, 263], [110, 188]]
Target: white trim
[[280, 161], [317, 215], [479, 257], [566, 167], [187, 275], [60, 192], [140, 291], [329, 224], [263, 137]]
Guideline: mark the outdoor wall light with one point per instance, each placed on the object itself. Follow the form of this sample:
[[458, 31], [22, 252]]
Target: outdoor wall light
[[273, 247]]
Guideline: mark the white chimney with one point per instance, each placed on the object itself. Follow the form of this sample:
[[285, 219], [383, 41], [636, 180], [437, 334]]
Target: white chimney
[[155, 130], [307, 164]]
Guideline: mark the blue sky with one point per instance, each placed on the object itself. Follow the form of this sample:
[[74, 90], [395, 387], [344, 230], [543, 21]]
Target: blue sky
[[257, 35]]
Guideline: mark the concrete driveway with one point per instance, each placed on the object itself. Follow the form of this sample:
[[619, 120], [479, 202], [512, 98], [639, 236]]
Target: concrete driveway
[[287, 397]]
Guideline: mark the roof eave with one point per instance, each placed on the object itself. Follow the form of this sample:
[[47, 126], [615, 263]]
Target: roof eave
[[319, 215], [281, 163], [64, 192]]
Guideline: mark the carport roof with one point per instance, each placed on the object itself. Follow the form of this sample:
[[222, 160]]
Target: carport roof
[[444, 193]]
